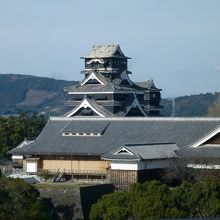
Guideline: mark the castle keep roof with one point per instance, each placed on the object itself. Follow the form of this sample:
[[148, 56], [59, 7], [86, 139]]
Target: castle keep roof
[[106, 51]]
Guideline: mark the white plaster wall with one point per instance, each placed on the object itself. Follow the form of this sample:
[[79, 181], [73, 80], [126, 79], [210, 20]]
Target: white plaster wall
[[141, 165], [31, 167], [124, 165]]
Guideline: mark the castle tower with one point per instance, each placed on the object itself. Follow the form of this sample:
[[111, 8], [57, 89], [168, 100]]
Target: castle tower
[[107, 91]]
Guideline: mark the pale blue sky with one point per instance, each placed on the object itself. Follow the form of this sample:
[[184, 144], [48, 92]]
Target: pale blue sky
[[175, 42]]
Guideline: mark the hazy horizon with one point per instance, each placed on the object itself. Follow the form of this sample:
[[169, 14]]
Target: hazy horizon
[[177, 43]]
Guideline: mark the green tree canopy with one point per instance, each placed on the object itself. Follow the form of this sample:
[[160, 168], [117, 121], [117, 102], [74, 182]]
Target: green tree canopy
[[154, 200], [19, 200], [111, 206], [13, 130]]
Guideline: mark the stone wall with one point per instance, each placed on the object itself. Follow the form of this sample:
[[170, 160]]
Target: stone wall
[[75, 203]]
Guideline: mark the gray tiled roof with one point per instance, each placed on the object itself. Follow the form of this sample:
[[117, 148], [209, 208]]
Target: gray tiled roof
[[81, 126], [101, 88], [90, 88], [105, 51], [145, 152], [149, 84], [109, 87], [22, 144], [119, 132], [154, 151], [204, 151], [121, 157]]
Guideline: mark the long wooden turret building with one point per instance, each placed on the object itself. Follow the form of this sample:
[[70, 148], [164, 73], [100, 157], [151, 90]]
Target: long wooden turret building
[[107, 90]]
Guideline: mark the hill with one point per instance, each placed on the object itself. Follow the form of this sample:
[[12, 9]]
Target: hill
[[31, 93], [41, 94], [189, 106]]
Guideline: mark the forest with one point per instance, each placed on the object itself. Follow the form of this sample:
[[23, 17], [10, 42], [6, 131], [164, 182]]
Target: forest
[[14, 129]]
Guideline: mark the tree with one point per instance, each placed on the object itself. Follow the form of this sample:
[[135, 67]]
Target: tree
[[149, 200], [198, 199], [111, 206], [154, 200], [13, 130], [19, 200]]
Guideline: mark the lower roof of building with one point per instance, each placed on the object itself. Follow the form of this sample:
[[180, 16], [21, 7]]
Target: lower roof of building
[[206, 151], [138, 152]]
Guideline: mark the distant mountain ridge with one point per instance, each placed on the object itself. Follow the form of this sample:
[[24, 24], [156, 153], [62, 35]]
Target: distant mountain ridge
[[46, 95], [32, 93], [189, 106]]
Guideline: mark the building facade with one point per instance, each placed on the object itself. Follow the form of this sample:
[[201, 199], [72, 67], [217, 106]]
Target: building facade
[[107, 90]]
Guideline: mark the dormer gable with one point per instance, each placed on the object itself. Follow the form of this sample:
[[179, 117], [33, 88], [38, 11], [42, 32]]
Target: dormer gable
[[135, 105], [93, 79], [88, 107], [84, 105], [123, 151]]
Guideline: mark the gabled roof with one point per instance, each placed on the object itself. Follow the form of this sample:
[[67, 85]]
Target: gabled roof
[[22, 144], [119, 132], [144, 152], [89, 103], [130, 102], [149, 84], [124, 76], [106, 51], [135, 104], [97, 76], [106, 85]]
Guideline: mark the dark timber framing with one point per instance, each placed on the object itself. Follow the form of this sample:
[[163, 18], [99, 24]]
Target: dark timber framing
[[107, 85]]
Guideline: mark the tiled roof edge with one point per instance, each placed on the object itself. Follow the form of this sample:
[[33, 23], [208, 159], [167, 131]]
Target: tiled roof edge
[[60, 118]]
